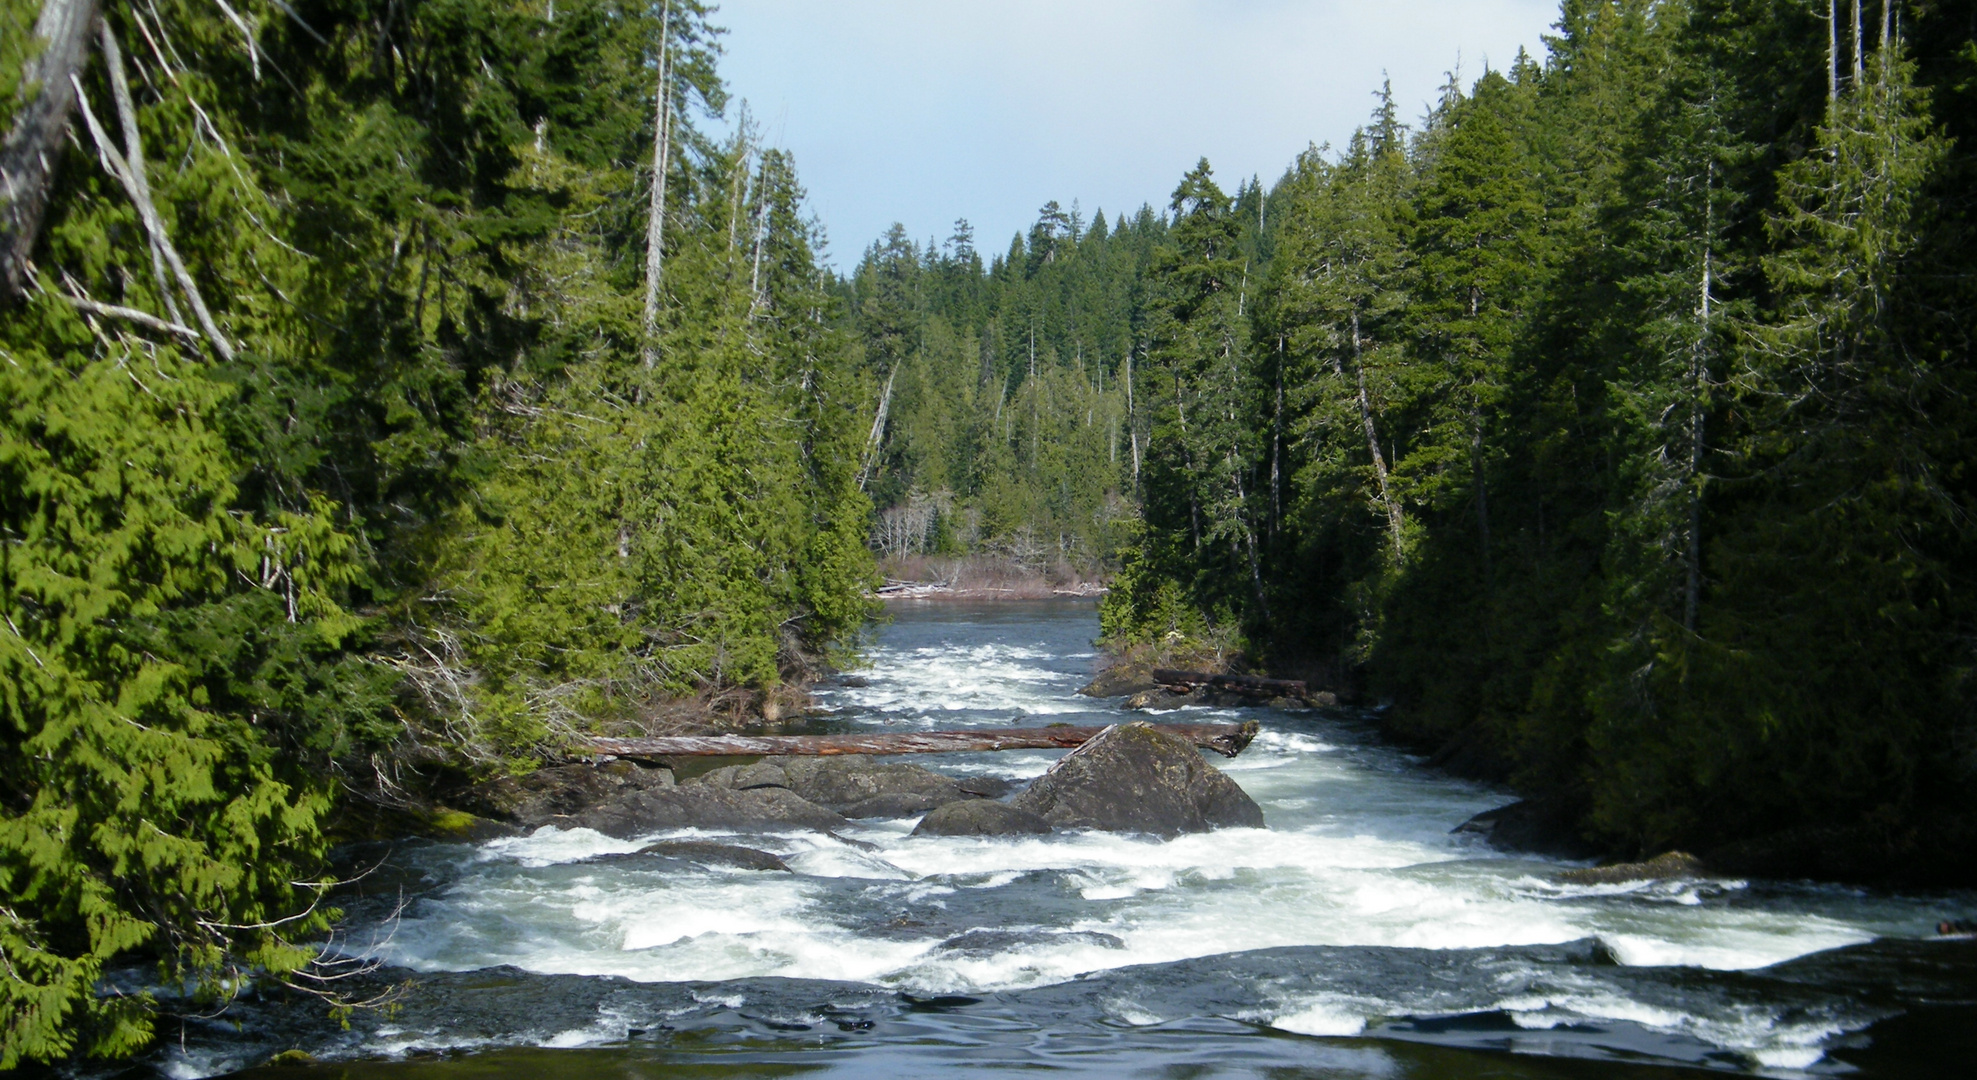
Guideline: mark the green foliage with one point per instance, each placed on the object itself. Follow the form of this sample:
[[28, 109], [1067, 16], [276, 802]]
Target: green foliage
[[1620, 420], [446, 501], [1010, 426]]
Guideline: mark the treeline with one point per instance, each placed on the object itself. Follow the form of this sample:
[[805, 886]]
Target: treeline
[[1008, 419], [1614, 424], [372, 416]]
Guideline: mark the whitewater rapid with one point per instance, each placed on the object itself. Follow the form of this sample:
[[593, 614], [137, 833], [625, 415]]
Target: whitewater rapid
[[1358, 854]]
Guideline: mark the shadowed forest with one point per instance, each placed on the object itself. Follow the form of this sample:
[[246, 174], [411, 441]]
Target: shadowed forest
[[395, 392]]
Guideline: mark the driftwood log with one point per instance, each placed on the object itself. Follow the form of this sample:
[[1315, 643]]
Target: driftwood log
[[1241, 684], [1227, 740]]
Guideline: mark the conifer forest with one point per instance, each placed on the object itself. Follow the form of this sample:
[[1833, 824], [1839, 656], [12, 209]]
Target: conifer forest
[[395, 391]]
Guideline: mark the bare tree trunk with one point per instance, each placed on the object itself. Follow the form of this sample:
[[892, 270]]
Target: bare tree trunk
[[655, 221], [1482, 494], [129, 171], [1698, 386], [878, 431], [1396, 521], [1132, 418], [33, 143], [1832, 50], [1859, 68]]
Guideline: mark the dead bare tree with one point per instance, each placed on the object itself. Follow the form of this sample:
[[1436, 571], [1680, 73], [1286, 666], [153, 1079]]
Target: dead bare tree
[[33, 143], [655, 221]]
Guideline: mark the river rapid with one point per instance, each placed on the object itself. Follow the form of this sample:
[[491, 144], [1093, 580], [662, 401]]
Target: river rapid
[[1355, 936]]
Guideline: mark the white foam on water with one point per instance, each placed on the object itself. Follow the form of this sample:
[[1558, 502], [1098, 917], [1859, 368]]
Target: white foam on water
[[1727, 942], [1358, 853], [1761, 1034], [1329, 1016], [549, 846]]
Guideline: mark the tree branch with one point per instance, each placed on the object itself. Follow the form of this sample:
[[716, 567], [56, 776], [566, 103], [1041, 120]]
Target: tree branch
[[131, 177]]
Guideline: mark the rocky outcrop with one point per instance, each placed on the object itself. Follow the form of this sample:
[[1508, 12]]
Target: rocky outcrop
[[705, 806], [1136, 778], [1673, 865], [852, 785], [1538, 826], [1120, 679], [551, 794], [981, 817]]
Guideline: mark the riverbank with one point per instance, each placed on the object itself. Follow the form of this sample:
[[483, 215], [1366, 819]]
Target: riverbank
[[1354, 927], [1887, 850], [985, 577]]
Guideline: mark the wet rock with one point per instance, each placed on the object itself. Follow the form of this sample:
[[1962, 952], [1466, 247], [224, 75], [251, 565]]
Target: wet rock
[[981, 817], [705, 806], [986, 787], [898, 804], [1159, 700], [1541, 826], [1119, 680], [441, 823], [849, 780], [712, 854], [761, 774], [547, 794], [992, 942], [1670, 865], [1135, 778]]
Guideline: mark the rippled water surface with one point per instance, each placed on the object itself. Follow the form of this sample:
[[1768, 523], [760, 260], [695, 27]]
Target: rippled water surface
[[1354, 936]]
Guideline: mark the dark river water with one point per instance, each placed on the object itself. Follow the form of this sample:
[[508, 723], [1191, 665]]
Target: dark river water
[[1355, 936]]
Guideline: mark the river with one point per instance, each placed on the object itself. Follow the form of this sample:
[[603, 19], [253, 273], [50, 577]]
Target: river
[[1355, 936]]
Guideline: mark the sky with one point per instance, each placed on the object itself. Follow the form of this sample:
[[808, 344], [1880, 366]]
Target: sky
[[923, 111]]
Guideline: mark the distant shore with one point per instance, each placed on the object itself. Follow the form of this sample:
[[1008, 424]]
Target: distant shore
[[985, 577], [922, 590]]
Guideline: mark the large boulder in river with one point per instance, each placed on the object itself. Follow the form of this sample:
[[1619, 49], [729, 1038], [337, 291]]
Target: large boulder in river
[[1136, 778], [546, 796], [854, 785], [705, 806], [981, 817]]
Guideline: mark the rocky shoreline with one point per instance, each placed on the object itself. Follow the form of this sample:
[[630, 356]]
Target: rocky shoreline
[[1552, 824]]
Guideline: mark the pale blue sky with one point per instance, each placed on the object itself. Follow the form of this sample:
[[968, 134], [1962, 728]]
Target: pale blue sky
[[920, 111]]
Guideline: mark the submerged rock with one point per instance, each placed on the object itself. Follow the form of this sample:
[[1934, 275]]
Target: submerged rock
[[705, 806], [1669, 865], [547, 795], [713, 854], [981, 817], [1136, 778], [993, 942]]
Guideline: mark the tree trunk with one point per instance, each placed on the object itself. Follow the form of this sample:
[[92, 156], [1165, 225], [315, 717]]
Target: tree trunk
[[1396, 521], [655, 221], [34, 140]]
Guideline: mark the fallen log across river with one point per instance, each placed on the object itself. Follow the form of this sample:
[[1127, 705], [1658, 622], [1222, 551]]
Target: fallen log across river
[[1227, 740]]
